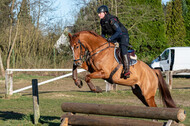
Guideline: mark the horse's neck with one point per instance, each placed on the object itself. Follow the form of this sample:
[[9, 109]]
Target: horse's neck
[[93, 44]]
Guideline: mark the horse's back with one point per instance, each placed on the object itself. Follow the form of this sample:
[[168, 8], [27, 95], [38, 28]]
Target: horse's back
[[143, 68], [148, 80]]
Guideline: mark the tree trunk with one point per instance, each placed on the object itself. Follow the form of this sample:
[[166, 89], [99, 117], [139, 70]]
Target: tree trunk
[[11, 46], [115, 7], [1, 66], [11, 23], [38, 18]]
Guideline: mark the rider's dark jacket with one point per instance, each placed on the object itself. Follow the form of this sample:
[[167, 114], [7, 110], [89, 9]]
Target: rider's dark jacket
[[113, 27]]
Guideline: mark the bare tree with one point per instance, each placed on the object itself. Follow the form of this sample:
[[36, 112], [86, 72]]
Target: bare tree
[[1, 66], [12, 43]]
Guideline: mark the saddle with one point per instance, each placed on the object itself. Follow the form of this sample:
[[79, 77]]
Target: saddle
[[131, 54], [118, 58]]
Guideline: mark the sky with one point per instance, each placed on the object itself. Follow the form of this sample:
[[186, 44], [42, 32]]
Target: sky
[[65, 11], [164, 1]]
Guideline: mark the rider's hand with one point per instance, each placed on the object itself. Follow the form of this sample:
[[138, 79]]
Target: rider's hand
[[116, 44], [109, 40]]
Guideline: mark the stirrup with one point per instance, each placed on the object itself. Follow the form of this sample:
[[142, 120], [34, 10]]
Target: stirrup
[[127, 75]]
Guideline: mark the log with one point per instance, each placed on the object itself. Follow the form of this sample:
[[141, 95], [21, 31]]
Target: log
[[175, 114], [64, 122], [109, 121]]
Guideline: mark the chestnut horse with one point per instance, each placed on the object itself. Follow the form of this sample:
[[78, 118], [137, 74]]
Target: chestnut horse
[[94, 54]]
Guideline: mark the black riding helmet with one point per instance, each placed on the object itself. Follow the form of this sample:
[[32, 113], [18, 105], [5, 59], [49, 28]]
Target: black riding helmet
[[102, 8]]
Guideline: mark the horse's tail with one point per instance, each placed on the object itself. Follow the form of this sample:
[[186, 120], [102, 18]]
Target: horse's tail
[[164, 91]]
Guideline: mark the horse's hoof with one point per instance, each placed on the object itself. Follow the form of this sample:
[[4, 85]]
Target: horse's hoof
[[79, 83], [98, 89]]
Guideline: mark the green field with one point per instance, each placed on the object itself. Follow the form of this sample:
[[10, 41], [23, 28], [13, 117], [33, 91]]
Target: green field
[[18, 109]]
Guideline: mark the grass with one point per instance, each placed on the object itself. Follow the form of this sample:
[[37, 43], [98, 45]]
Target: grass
[[28, 77], [18, 109]]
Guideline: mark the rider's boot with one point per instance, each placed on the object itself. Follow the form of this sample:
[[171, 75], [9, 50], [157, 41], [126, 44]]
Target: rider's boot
[[126, 66]]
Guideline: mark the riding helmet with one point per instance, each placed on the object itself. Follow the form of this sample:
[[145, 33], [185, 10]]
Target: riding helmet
[[102, 8]]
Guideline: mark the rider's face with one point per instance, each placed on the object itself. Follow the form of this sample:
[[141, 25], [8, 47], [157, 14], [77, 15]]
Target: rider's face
[[101, 15]]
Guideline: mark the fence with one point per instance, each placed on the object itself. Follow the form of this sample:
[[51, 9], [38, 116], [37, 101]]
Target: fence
[[9, 78], [169, 75]]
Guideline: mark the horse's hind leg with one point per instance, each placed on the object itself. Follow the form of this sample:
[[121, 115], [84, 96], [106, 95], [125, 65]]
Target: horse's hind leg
[[146, 101], [151, 102], [94, 75], [137, 91]]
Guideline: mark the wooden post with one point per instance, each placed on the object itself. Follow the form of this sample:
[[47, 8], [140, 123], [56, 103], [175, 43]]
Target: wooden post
[[167, 77], [110, 87], [115, 87], [8, 83], [170, 79], [35, 100]]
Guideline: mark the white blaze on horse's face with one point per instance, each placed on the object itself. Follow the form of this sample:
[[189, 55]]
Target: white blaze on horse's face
[[76, 55], [73, 53]]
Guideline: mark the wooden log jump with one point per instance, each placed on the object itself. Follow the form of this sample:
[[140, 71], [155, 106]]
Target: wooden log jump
[[86, 120], [175, 114]]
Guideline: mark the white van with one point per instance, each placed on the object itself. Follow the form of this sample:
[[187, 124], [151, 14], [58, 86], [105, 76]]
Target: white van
[[174, 58]]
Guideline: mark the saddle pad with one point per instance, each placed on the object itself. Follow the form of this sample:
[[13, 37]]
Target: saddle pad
[[118, 58]]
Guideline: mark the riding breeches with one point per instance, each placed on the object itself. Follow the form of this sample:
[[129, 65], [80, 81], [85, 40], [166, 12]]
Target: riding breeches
[[123, 44]]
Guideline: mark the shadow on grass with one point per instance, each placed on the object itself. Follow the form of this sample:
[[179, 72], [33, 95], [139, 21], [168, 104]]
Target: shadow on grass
[[181, 76], [181, 88], [6, 115], [48, 120]]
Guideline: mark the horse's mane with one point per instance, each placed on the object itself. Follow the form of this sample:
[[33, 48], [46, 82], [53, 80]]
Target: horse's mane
[[91, 32], [94, 33]]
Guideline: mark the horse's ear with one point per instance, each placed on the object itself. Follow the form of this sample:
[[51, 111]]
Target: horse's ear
[[70, 36]]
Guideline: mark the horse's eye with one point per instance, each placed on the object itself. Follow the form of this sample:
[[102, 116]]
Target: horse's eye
[[77, 47]]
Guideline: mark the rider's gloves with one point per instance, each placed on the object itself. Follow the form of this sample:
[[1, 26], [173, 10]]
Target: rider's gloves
[[109, 40]]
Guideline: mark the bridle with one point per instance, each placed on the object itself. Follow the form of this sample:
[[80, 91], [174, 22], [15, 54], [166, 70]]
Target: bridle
[[87, 55], [81, 55]]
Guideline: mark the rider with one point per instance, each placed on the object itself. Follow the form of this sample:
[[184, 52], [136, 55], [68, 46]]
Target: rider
[[113, 27]]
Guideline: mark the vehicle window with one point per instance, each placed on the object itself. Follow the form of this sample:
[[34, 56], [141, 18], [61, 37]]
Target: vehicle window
[[165, 55]]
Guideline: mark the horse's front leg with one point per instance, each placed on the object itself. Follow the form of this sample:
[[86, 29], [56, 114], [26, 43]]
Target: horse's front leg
[[95, 75], [77, 81]]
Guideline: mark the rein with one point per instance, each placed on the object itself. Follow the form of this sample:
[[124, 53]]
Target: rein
[[87, 55], [100, 50]]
